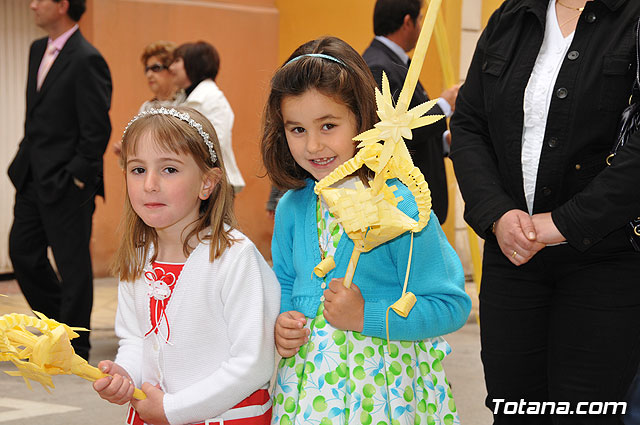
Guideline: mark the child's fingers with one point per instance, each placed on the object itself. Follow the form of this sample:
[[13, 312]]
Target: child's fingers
[[105, 366], [291, 342], [336, 285], [288, 348], [102, 383], [125, 392], [286, 352], [290, 321], [289, 333], [119, 390], [296, 315]]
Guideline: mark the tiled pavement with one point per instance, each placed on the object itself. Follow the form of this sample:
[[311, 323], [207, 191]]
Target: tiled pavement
[[463, 366]]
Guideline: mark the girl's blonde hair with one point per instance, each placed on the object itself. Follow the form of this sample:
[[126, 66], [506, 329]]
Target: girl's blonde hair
[[174, 135], [347, 79]]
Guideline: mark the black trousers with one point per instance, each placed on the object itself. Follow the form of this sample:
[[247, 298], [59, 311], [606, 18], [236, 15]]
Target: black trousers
[[65, 226], [564, 327]]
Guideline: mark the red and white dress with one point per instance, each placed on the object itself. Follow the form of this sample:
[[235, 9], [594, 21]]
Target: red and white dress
[[203, 332]]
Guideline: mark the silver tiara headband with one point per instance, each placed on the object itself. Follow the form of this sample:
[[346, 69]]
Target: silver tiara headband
[[183, 116]]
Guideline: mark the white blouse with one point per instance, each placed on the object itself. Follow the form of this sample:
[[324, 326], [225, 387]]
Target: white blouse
[[537, 98]]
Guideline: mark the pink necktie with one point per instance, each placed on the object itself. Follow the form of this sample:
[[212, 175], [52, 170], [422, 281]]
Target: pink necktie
[[45, 65]]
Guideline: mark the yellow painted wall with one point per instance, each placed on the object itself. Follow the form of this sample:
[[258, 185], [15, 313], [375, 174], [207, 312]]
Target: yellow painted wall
[[352, 21]]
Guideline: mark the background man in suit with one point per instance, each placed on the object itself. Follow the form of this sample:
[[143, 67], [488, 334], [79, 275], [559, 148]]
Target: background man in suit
[[58, 168], [397, 24]]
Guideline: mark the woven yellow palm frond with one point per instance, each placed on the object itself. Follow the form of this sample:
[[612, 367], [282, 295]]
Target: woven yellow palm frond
[[369, 215], [37, 357]]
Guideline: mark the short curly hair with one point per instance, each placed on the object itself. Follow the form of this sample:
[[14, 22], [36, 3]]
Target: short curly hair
[[161, 49]]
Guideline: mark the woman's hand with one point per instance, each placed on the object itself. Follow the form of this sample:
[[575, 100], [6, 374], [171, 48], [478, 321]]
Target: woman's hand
[[151, 409], [116, 388], [546, 230], [290, 332], [344, 307], [517, 236]]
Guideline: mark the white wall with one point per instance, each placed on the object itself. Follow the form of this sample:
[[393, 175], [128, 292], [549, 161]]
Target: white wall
[[17, 31]]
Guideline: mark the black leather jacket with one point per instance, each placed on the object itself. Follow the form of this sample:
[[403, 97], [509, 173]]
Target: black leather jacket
[[588, 200]]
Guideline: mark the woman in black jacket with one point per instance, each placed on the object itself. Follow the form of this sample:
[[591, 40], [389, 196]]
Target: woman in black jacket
[[533, 125]]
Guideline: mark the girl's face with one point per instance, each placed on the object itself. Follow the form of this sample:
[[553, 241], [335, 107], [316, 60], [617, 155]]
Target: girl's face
[[180, 78], [319, 130], [166, 188]]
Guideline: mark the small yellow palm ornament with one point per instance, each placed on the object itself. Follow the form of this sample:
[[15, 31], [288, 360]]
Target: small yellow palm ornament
[[369, 215], [37, 357]]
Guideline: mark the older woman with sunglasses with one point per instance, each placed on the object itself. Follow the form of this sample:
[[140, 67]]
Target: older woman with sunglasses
[[156, 59]]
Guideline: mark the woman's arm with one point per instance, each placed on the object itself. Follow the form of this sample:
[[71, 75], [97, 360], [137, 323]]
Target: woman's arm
[[472, 151], [610, 200]]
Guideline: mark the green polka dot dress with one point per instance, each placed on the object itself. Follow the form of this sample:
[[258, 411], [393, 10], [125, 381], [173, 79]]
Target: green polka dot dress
[[343, 377]]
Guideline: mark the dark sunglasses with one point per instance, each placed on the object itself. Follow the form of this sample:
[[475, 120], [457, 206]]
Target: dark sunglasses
[[156, 67]]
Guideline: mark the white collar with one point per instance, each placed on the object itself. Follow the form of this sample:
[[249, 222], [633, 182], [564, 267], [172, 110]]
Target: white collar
[[395, 48]]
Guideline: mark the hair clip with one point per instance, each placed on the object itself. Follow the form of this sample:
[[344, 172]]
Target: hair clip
[[183, 116]]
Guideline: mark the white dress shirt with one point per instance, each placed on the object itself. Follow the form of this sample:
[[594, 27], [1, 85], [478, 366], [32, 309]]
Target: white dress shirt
[[537, 98]]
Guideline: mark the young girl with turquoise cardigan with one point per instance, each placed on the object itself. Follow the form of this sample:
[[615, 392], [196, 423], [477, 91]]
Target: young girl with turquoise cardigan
[[337, 365]]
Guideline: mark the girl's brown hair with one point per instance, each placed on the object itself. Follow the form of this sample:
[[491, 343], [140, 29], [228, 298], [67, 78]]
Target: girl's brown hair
[[174, 135], [349, 82]]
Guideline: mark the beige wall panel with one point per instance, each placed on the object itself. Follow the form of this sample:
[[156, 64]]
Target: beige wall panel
[[17, 32]]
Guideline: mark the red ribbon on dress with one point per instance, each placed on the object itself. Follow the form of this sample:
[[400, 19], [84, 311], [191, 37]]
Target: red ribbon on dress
[[161, 285]]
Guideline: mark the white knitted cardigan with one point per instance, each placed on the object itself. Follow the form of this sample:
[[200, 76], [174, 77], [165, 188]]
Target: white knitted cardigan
[[221, 347]]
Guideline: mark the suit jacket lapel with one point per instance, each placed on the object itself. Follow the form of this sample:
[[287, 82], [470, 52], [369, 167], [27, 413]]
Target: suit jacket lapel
[[34, 63], [389, 53], [61, 62], [419, 91]]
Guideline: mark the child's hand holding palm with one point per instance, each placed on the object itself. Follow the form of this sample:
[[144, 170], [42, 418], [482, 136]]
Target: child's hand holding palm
[[151, 409], [344, 307], [116, 388]]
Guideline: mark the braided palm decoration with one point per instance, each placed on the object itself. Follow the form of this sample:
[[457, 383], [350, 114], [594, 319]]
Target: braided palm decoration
[[369, 215], [37, 357]]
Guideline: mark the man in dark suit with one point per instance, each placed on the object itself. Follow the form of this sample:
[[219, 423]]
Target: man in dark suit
[[57, 171], [397, 24]]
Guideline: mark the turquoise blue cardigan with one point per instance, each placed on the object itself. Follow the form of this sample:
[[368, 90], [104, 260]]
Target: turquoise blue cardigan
[[436, 276]]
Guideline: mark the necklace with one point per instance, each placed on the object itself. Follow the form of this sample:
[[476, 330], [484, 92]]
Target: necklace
[[579, 9], [569, 20]]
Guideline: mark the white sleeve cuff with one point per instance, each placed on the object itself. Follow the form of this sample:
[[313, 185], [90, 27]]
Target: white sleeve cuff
[[444, 105]]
